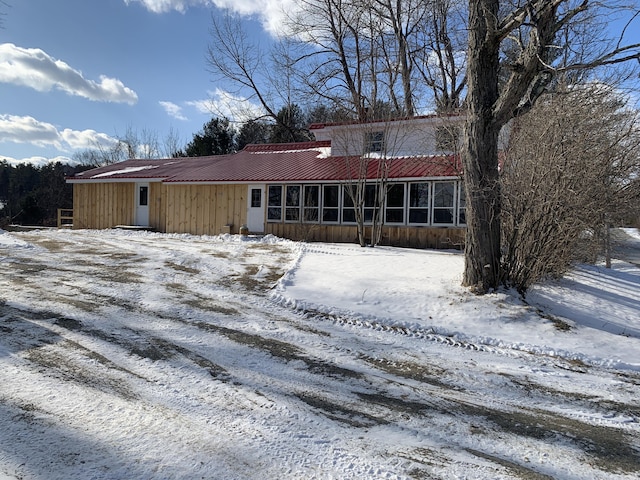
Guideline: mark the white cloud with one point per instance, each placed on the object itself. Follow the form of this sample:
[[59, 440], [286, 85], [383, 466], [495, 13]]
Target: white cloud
[[270, 12], [34, 68], [221, 104], [85, 139], [230, 106], [202, 106], [26, 129], [173, 110]]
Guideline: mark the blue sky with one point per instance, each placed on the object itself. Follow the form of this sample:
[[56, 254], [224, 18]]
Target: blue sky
[[77, 72], [73, 72]]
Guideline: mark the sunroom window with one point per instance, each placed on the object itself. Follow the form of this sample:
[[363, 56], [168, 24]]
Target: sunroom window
[[311, 203], [348, 210], [371, 201], [419, 202], [274, 208], [394, 212], [443, 201], [330, 203], [462, 206], [292, 203]]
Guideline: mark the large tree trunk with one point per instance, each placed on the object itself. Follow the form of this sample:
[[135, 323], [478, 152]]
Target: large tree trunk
[[480, 150]]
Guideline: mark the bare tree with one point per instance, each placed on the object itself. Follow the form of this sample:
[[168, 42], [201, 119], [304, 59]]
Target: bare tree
[[246, 67], [439, 53], [171, 145], [363, 52], [360, 56], [567, 175], [132, 144], [532, 27]]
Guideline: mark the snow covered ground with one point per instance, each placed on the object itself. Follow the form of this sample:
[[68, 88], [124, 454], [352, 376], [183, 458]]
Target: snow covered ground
[[139, 355]]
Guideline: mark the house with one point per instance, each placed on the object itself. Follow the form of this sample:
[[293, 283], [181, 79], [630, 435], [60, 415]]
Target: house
[[298, 191]]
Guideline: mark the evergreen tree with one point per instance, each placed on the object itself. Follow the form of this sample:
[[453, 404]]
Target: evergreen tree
[[217, 137], [291, 126], [253, 131]]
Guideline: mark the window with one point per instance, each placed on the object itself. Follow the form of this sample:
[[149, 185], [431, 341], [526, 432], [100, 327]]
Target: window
[[374, 142], [413, 203], [348, 211], [394, 212], [274, 210], [143, 196], [292, 204], [419, 202], [462, 206], [443, 196], [371, 202], [256, 197], [311, 203], [448, 138], [330, 203]]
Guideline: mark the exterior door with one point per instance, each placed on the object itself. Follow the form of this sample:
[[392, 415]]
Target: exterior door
[[142, 204], [255, 209]]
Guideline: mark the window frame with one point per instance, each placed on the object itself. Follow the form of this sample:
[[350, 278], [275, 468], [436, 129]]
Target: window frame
[[256, 197], [374, 141], [461, 219], [325, 207], [427, 207], [292, 203], [394, 208], [308, 203], [272, 207], [308, 206], [451, 208]]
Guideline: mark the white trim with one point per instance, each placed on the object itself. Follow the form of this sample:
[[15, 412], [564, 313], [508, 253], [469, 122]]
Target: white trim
[[115, 180]]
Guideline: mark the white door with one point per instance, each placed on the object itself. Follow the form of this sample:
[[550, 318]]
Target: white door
[[255, 209], [142, 204]]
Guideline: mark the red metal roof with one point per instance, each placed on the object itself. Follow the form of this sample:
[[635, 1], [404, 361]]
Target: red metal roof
[[295, 162], [140, 169]]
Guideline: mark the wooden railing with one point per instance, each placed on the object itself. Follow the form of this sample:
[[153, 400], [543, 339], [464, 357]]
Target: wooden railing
[[65, 217]]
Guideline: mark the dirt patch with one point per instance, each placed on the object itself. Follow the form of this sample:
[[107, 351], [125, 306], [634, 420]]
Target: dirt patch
[[59, 364], [341, 412], [215, 370], [27, 267], [182, 268], [609, 449], [423, 373], [53, 245], [283, 350], [516, 469]]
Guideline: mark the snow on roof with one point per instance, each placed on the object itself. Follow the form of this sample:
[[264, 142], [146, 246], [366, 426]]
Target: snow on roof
[[123, 171]]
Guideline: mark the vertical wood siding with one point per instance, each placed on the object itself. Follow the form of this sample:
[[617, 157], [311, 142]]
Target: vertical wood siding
[[103, 205], [157, 206], [401, 236], [205, 209]]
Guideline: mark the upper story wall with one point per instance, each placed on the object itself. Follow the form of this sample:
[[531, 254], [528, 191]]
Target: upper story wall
[[418, 136]]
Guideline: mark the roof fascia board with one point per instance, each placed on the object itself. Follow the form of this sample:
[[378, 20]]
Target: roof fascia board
[[115, 180], [327, 181]]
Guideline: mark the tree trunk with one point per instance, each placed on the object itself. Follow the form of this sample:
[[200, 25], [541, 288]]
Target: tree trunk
[[480, 150]]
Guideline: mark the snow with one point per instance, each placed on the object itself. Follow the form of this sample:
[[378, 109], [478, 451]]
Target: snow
[[420, 290], [125, 170], [128, 354]]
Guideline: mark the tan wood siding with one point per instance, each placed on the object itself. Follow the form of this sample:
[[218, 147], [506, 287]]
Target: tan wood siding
[[157, 207], [416, 237], [103, 205], [205, 209]]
